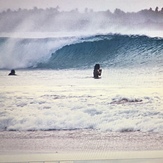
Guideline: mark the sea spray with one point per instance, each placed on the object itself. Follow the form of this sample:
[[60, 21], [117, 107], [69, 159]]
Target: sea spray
[[26, 53]]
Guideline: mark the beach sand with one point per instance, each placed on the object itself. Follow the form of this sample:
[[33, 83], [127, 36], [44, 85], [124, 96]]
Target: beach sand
[[77, 141], [79, 145]]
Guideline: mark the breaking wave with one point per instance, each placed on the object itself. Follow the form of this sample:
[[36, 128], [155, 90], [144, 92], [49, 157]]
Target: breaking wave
[[110, 50]]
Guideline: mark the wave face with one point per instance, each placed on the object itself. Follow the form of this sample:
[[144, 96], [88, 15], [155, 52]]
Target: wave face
[[111, 50]]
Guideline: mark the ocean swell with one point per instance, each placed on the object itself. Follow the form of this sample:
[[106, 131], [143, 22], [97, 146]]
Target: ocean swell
[[110, 51]]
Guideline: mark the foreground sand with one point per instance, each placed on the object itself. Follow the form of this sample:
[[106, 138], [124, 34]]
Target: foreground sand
[[79, 146], [77, 141], [83, 157]]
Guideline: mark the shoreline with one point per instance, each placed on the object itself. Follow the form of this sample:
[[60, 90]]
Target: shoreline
[[59, 142]]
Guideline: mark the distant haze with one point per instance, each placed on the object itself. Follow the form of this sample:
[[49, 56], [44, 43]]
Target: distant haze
[[96, 5], [74, 23]]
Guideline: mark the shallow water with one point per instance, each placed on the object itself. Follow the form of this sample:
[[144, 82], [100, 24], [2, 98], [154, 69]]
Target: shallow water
[[122, 100]]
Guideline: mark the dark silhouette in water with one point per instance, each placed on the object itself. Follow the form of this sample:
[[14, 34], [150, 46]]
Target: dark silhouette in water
[[12, 72], [97, 71]]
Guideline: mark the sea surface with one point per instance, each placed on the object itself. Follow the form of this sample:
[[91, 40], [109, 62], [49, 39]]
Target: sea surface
[[54, 88], [54, 109]]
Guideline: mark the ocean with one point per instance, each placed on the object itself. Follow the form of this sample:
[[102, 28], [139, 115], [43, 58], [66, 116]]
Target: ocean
[[53, 108], [55, 90]]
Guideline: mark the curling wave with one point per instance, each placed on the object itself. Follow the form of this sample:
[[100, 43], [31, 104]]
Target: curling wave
[[110, 51]]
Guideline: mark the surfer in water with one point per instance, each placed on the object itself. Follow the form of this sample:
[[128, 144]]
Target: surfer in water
[[97, 71], [12, 72]]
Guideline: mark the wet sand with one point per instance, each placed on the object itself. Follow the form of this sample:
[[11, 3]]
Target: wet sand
[[77, 141], [80, 145]]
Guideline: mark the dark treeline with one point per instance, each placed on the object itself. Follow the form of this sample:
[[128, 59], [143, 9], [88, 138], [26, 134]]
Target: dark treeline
[[87, 10], [52, 19]]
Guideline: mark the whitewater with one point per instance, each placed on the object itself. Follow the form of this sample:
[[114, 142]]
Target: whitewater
[[123, 100]]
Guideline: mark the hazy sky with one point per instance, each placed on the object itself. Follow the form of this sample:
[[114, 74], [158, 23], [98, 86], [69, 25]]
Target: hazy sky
[[125, 5]]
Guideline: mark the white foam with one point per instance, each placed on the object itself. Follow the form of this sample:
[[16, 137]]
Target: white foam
[[49, 99], [23, 53]]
